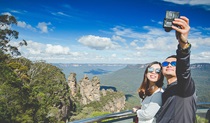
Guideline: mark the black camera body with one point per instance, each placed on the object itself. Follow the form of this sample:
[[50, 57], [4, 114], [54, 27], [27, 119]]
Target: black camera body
[[170, 16]]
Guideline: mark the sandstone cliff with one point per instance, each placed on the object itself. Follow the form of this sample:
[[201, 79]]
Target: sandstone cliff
[[88, 91]]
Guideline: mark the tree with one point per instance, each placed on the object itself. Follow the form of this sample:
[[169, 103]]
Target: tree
[[7, 34], [29, 92]]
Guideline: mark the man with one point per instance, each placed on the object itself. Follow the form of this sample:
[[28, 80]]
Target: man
[[178, 99]]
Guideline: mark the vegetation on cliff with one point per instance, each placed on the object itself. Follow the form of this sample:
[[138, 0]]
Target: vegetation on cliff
[[29, 91], [32, 92]]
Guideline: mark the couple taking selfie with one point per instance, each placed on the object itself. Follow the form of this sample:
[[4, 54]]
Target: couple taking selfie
[[177, 102]]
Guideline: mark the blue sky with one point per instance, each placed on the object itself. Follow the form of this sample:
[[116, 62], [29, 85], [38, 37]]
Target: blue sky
[[106, 31]]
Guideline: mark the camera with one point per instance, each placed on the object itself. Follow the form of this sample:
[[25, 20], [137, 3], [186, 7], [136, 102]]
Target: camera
[[170, 16]]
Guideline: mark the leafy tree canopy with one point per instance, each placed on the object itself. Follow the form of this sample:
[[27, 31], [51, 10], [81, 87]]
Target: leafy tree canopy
[[30, 92], [7, 34]]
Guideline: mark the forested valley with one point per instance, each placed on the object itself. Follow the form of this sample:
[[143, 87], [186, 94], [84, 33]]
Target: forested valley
[[36, 91]]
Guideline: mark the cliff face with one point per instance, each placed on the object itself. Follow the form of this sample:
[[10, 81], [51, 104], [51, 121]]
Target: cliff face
[[88, 91], [72, 83]]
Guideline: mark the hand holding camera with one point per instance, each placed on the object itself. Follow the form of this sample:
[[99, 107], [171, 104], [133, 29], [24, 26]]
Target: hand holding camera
[[168, 20], [180, 24]]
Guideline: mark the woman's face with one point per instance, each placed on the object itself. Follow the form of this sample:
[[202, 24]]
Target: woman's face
[[153, 73]]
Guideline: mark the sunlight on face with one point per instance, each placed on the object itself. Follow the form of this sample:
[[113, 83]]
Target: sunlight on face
[[153, 76], [169, 70]]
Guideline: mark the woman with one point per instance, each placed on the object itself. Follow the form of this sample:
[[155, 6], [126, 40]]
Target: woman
[[150, 92]]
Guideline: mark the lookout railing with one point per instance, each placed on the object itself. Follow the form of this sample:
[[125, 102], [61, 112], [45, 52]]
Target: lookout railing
[[203, 110]]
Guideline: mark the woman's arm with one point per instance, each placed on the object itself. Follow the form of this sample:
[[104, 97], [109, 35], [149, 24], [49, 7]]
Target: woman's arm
[[149, 110]]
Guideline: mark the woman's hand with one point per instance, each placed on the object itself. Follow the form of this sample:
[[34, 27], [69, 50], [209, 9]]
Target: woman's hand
[[136, 108]]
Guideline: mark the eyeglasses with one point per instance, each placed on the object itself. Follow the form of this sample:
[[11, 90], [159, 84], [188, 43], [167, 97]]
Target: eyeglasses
[[165, 63], [151, 69]]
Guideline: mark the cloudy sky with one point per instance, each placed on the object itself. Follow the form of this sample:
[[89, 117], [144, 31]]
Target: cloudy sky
[[106, 31]]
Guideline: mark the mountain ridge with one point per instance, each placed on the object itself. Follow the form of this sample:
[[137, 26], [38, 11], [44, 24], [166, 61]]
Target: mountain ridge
[[128, 77]]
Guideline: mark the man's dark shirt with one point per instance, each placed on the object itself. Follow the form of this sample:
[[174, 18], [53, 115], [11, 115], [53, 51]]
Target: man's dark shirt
[[179, 98]]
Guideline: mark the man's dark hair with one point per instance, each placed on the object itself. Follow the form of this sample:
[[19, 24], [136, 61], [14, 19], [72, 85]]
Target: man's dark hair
[[172, 56]]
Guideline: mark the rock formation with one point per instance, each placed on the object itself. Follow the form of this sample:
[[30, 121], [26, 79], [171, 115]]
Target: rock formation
[[87, 91], [72, 83]]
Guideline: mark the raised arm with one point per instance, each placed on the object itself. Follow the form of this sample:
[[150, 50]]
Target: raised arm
[[183, 71]]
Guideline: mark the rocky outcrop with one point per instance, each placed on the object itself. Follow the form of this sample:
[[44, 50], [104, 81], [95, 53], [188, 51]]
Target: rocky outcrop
[[88, 91], [72, 83], [115, 104]]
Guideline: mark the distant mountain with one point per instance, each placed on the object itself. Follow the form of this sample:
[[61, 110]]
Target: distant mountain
[[128, 79], [201, 66], [89, 69], [96, 71], [201, 76]]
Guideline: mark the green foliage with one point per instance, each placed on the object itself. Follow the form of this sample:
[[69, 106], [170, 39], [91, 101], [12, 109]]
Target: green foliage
[[127, 80], [201, 120], [95, 108], [88, 112], [39, 99], [3, 57], [132, 101], [98, 113], [110, 96], [84, 113], [10, 95], [14, 65], [7, 34], [202, 79]]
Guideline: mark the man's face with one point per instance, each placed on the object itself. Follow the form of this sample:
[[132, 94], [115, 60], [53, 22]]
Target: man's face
[[170, 69]]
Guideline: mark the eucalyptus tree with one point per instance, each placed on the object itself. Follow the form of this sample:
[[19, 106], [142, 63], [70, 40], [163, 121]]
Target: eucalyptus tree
[[7, 34], [30, 92]]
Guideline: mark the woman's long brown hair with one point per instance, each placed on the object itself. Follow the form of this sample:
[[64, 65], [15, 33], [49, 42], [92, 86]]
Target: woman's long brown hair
[[144, 89]]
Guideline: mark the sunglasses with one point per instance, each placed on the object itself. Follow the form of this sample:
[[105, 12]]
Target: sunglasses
[[165, 63], [151, 69]]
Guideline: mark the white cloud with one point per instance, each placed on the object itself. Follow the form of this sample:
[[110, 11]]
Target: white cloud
[[34, 48], [125, 32], [154, 39], [190, 2], [15, 11], [56, 49], [43, 27], [77, 54], [134, 43], [23, 24], [203, 57], [200, 42], [156, 43], [203, 3], [154, 31], [114, 55], [143, 48], [60, 13], [52, 53], [98, 43], [118, 38], [205, 54], [6, 13]]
